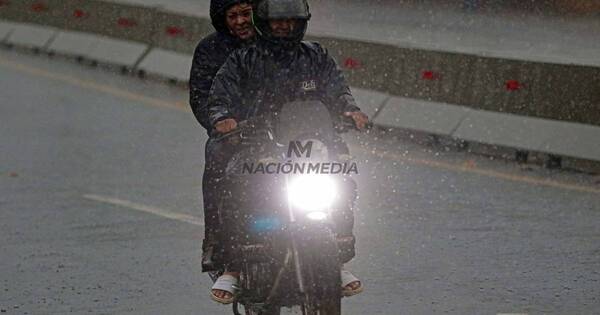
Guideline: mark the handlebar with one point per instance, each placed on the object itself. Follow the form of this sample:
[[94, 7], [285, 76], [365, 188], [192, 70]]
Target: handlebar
[[347, 124], [228, 135], [247, 131]]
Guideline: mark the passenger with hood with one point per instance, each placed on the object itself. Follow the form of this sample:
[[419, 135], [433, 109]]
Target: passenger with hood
[[259, 79], [232, 20]]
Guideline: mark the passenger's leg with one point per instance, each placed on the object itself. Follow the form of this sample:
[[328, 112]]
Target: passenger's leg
[[216, 157]]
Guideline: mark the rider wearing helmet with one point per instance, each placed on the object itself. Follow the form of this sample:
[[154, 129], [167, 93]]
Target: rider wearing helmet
[[280, 68]]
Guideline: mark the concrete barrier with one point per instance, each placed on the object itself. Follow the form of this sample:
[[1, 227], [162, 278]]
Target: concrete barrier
[[77, 44], [122, 21], [98, 48], [504, 129], [370, 102], [22, 11], [119, 52], [435, 118], [128, 22], [31, 36], [179, 33], [531, 134], [489, 92], [574, 140], [169, 64], [5, 30], [536, 89]]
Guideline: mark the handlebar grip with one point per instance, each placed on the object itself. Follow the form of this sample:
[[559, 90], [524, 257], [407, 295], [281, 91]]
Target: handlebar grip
[[228, 135], [347, 123]]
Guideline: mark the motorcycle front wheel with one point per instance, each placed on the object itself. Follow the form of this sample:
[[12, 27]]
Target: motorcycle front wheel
[[273, 311], [321, 273]]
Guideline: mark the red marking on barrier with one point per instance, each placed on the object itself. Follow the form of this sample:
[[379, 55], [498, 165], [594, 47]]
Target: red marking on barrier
[[351, 63], [80, 14], [430, 75], [174, 31], [125, 22], [513, 85], [39, 7]]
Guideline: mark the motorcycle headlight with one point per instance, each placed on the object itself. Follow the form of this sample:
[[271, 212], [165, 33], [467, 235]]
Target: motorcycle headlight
[[312, 193]]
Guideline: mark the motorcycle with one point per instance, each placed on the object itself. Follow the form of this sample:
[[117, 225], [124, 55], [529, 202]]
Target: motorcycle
[[280, 194]]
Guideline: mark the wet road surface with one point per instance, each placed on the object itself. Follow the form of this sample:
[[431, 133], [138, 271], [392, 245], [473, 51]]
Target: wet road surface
[[100, 177]]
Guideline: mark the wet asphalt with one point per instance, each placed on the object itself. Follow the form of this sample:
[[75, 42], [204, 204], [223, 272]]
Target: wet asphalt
[[100, 177]]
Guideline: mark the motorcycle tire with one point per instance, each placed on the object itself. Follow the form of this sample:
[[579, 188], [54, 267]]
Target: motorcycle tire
[[274, 311], [321, 271]]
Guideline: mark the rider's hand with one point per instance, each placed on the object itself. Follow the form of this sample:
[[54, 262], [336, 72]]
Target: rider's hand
[[360, 119], [226, 125]]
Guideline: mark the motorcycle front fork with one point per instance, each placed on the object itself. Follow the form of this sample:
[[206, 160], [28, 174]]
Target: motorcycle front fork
[[292, 253]]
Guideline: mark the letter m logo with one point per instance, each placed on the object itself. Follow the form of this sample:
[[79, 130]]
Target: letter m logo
[[299, 150]]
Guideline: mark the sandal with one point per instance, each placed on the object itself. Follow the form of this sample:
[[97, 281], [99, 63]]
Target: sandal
[[347, 279], [226, 283]]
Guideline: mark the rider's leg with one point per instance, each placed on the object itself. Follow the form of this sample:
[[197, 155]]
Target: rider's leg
[[226, 285], [343, 217], [216, 157], [210, 208]]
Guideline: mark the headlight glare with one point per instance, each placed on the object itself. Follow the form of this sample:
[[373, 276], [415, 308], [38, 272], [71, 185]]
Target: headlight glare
[[317, 215], [312, 193]]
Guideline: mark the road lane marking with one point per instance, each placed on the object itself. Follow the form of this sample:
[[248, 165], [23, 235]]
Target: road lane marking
[[465, 168], [90, 85], [147, 209], [182, 106]]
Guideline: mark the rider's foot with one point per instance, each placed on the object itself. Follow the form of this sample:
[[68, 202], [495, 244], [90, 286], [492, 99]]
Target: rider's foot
[[223, 290], [351, 285]]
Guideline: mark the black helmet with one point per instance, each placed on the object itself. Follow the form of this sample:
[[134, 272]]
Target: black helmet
[[281, 9]]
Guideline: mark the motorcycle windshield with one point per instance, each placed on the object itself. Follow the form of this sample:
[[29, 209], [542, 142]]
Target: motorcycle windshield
[[298, 122]]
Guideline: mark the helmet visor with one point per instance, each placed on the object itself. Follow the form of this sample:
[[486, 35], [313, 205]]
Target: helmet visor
[[286, 9]]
